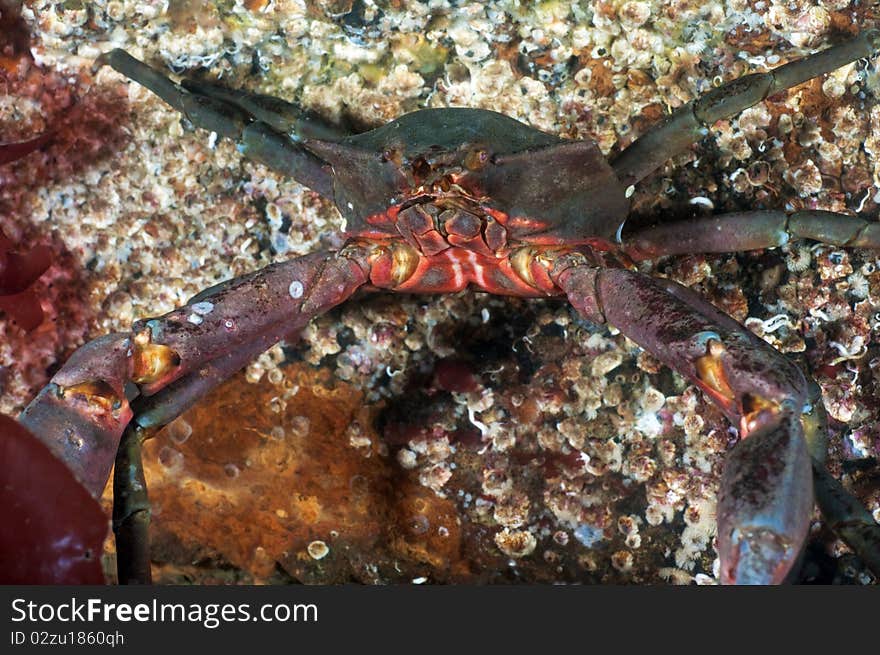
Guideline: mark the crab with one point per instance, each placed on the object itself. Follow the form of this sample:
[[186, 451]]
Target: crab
[[441, 200]]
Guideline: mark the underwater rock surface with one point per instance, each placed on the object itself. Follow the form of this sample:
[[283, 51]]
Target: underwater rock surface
[[464, 438]]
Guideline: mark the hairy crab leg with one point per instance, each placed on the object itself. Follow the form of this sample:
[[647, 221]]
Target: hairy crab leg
[[691, 121], [83, 411], [265, 131], [766, 495], [750, 230]]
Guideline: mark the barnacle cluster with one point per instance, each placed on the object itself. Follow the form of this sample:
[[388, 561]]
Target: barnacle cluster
[[569, 454]]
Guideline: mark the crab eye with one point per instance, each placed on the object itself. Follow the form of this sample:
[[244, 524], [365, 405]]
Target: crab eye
[[476, 159], [393, 155]]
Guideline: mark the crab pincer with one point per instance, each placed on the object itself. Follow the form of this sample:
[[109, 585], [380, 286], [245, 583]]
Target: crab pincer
[[767, 491], [156, 371]]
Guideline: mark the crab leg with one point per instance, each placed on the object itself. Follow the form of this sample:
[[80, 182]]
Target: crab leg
[[280, 115], [131, 510], [266, 129], [766, 494], [691, 121], [842, 511], [751, 230], [847, 517], [83, 411], [760, 229]]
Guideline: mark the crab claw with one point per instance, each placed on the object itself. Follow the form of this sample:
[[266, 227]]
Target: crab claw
[[765, 503], [766, 497]]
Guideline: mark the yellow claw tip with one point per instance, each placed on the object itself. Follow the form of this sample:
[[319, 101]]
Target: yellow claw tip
[[152, 361]]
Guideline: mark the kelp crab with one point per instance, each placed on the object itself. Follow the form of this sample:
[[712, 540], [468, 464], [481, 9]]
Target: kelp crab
[[443, 199]]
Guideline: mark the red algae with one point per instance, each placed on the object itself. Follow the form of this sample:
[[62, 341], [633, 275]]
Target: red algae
[[10, 152], [51, 529], [56, 129], [18, 271]]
